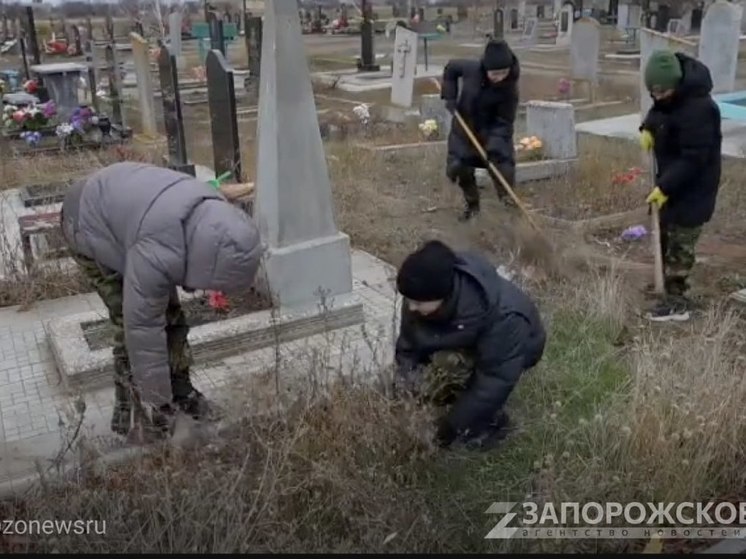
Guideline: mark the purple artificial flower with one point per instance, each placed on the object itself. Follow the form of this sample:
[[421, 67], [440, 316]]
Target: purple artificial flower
[[49, 109], [77, 124]]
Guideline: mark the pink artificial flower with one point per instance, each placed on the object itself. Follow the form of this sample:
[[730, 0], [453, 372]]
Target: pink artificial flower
[[218, 301]]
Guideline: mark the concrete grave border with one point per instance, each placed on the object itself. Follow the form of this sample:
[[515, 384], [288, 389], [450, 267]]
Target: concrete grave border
[[82, 368]]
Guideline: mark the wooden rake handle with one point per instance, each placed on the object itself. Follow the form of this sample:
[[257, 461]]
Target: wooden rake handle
[[493, 169], [659, 282]]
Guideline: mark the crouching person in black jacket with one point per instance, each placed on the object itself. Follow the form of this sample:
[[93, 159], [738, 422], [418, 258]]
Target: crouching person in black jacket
[[488, 103], [459, 313]]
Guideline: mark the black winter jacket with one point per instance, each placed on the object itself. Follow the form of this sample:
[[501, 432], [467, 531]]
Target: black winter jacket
[[688, 141], [488, 318], [489, 110]]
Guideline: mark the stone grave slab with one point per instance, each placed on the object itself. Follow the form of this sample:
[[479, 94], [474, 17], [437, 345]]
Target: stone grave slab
[[627, 127], [357, 82], [85, 359], [405, 62], [585, 47], [44, 194], [719, 43], [62, 80]]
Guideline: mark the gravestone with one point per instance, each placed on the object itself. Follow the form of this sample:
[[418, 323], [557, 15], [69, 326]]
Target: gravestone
[[61, 80], [109, 28], [307, 255], [76, 40], [530, 35], [514, 20], [433, 107], [217, 39], [253, 37], [622, 17], [89, 27], [115, 85], [172, 117], [566, 20], [585, 49], [651, 41], [145, 95], [33, 41], [676, 27], [90, 60], [367, 61], [498, 23], [174, 33], [554, 124], [404, 66], [138, 28], [719, 44], [6, 27], [221, 98]]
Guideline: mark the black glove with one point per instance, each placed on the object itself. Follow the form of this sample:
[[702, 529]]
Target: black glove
[[451, 105]]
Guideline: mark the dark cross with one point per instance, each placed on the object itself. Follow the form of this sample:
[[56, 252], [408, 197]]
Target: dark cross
[[367, 44], [112, 71], [174, 121], [253, 38], [217, 39], [76, 40], [109, 27], [221, 98], [91, 72], [498, 24], [31, 34], [24, 57]]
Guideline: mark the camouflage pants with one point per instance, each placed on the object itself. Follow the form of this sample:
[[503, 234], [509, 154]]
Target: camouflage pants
[[678, 246], [109, 286]]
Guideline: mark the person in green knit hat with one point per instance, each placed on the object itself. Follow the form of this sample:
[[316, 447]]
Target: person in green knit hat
[[683, 130]]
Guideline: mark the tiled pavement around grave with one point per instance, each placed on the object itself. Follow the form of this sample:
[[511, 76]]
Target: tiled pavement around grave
[[34, 400]]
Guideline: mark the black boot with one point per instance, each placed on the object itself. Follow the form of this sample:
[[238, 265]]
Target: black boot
[[470, 211], [196, 405]]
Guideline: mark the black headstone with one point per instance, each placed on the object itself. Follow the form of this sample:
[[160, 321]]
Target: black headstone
[[76, 40], [174, 121], [217, 39], [540, 12], [24, 58], [221, 98], [253, 38], [367, 43], [33, 42], [89, 27], [109, 28], [138, 28], [112, 72], [498, 23], [513, 19], [92, 85]]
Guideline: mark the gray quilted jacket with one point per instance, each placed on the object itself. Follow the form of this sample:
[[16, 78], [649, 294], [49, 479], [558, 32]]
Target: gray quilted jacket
[[159, 229]]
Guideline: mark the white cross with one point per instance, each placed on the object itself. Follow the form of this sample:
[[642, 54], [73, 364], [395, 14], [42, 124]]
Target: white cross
[[404, 50]]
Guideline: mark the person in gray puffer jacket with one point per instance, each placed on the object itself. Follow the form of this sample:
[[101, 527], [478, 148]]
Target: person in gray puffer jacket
[[138, 231]]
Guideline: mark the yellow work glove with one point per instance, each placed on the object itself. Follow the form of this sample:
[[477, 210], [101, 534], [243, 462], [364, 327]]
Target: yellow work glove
[[646, 140], [657, 197]]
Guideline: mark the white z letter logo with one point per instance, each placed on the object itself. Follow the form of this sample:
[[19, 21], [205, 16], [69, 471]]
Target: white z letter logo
[[501, 531]]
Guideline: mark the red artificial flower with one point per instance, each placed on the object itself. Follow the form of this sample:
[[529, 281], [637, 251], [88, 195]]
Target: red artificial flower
[[218, 301], [31, 86]]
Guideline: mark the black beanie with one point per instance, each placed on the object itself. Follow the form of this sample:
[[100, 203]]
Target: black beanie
[[497, 56], [427, 274]]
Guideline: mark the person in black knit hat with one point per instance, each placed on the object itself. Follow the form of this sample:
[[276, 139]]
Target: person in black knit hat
[[481, 331], [488, 102]]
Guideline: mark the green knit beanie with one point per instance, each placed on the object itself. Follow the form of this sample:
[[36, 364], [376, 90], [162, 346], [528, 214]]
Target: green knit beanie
[[663, 71]]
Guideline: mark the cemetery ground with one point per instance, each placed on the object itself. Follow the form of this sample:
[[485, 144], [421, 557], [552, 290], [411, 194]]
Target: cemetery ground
[[617, 410]]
